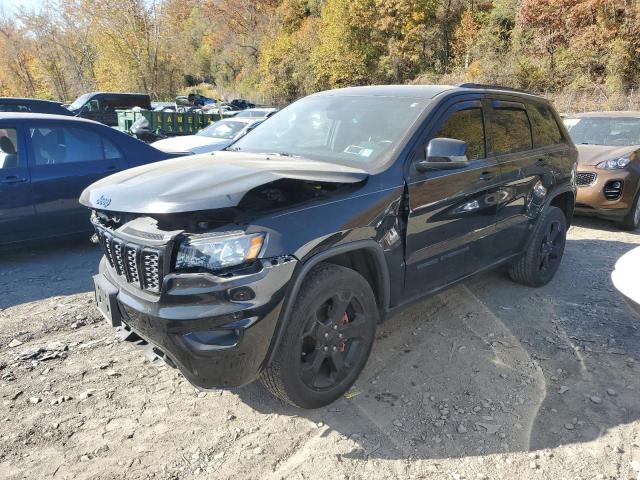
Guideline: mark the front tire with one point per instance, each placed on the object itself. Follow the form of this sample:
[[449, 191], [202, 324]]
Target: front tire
[[327, 341], [543, 255], [632, 220]]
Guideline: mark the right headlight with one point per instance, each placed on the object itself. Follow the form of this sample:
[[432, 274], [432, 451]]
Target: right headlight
[[218, 251], [614, 163]]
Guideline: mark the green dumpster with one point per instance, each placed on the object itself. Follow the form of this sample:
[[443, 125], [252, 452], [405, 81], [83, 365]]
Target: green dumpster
[[170, 123]]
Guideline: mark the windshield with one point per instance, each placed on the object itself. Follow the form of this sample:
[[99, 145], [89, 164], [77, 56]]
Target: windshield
[[614, 131], [80, 101], [355, 131], [226, 129]]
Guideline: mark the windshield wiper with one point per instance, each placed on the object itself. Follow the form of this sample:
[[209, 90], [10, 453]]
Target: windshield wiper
[[231, 148], [283, 154]]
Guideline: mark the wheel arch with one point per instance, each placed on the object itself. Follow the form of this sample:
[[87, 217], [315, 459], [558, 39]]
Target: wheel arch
[[565, 200], [365, 257]]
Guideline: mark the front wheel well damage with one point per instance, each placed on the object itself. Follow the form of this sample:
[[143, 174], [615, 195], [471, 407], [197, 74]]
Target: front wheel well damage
[[366, 264]]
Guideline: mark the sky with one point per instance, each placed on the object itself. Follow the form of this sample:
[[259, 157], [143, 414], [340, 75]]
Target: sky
[[11, 5]]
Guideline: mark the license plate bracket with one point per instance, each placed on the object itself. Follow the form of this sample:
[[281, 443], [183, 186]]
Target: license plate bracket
[[106, 300]]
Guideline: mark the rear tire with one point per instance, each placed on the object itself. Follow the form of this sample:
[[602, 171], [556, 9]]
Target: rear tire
[[632, 220], [328, 338], [543, 255]]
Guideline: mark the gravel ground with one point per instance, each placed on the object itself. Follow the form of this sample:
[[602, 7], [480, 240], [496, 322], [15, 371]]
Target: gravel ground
[[489, 380]]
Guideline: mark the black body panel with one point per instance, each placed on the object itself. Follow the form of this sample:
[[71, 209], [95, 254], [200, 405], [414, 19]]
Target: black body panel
[[409, 232]]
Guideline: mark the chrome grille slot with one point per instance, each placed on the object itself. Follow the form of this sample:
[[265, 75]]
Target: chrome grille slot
[[107, 242], [138, 265], [117, 256], [131, 263], [150, 270], [584, 179]]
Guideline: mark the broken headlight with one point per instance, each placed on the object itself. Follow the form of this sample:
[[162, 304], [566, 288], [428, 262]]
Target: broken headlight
[[215, 252]]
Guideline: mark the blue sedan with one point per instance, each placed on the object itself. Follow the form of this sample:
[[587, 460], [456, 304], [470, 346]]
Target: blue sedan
[[46, 161]]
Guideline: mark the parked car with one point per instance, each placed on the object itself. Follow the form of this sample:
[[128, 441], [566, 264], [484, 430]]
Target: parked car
[[625, 278], [45, 163], [217, 136], [241, 104], [33, 105], [277, 260], [102, 106], [608, 175], [256, 113]]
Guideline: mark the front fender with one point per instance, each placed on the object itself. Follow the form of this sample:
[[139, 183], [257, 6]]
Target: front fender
[[304, 267]]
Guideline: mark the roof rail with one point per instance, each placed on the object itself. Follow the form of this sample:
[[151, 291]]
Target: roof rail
[[493, 87]]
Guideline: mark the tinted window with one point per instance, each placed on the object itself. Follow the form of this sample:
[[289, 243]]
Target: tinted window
[[545, 129], [111, 152], [14, 107], [8, 148], [511, 131], [468, 126], [57, 145]]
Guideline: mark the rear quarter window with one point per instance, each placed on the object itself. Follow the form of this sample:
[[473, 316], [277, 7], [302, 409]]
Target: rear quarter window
[[545, 128], [510, 130]]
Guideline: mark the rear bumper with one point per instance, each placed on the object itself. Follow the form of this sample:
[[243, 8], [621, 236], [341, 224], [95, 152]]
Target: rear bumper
[[213, 340]]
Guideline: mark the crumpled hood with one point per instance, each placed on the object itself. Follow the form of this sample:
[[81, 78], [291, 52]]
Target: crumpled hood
[[594, 154], [204, 182]]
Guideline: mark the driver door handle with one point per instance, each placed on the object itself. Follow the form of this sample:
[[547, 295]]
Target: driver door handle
[[12, 179]]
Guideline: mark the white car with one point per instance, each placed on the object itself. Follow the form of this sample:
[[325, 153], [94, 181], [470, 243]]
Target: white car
[[625, 278], [256, 113], [216, 136]]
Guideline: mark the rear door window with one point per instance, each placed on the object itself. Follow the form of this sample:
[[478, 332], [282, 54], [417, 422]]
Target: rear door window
[[8, 147], [511, 131], [545, 128], [14, 107], [54, 145]]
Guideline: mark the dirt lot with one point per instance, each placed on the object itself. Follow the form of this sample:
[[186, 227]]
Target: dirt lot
[[490, 380]]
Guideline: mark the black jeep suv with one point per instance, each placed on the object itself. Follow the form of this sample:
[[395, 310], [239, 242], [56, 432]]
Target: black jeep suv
[[276, 259]]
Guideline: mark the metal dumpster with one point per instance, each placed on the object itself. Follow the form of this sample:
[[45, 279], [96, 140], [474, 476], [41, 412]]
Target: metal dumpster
[[169, 123]]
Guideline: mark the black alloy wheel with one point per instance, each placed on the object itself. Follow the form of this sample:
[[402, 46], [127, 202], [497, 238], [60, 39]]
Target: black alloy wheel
[[332, 341], [543, 254], [551, 247], [327, 340]]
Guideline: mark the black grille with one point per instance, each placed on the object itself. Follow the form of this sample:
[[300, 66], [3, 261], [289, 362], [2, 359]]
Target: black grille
[[613, 189], [584, 179], [138, 265]]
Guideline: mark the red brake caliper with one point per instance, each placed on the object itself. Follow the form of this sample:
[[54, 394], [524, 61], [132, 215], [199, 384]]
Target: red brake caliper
[[342, 346]]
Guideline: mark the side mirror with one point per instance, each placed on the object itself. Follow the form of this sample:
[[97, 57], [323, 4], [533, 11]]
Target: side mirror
[[444, 154]]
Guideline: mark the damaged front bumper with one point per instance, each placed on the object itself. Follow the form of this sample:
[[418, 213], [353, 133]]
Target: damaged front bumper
[[216, 330]]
